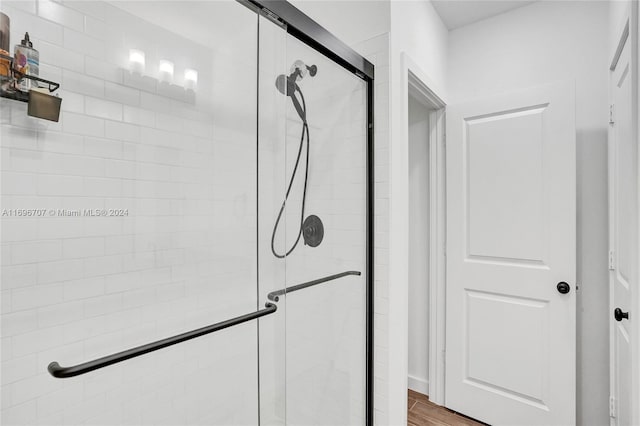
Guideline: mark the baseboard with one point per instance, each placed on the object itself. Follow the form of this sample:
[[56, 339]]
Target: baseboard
[[418, 385]]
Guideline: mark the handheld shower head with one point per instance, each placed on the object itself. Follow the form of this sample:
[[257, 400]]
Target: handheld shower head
[[311, 228], [286, 85]]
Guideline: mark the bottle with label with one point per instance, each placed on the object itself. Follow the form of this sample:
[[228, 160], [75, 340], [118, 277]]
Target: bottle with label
[[26, 60], [5, 67]]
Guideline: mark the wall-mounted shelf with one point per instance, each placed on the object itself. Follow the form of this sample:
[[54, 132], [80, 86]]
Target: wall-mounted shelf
[[41, 105]]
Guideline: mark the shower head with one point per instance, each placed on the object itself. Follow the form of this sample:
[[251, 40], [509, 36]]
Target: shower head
[[287, 85]]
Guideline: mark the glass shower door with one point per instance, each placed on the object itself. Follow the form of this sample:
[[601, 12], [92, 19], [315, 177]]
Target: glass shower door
[[316, 225], [231, 161], [159, 129]]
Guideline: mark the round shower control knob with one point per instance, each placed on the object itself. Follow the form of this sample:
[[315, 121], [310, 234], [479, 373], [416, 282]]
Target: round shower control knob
[[312, 231]]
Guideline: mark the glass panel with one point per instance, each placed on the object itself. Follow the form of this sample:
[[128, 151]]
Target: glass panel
[[326, 323], [172, 160]]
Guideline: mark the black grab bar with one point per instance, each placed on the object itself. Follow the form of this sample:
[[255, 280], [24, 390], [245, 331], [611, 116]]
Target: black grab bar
[[274, 295], [63, 372]]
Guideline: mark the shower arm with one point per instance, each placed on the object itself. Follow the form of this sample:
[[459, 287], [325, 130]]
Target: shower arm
[[63, 372]]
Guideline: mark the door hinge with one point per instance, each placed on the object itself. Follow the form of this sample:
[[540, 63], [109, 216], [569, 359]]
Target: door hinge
[[612, 114], [611, 260], [612, 406]]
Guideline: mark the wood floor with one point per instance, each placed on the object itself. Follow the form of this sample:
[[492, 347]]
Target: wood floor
[[423, 412]]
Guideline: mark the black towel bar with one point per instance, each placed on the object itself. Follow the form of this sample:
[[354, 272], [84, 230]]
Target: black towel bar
[[62, 372]]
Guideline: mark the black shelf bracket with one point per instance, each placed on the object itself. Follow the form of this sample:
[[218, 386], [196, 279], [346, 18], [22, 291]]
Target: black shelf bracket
[[41, 105], [16, 76]]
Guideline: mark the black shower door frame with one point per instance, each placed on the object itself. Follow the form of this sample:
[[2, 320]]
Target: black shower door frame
[[305, 29]]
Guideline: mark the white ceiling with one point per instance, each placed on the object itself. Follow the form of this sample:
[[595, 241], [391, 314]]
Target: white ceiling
[[458, 13]]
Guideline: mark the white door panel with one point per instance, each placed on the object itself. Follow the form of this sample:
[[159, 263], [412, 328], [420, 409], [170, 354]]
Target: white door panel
[[624, 221], [510, 355]]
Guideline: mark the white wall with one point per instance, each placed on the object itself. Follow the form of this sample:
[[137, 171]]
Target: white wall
[[535, 45], [352, 21], [418, 247], [417, 32]]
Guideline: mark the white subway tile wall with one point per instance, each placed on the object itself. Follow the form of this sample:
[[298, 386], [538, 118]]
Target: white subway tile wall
[[181, 254]]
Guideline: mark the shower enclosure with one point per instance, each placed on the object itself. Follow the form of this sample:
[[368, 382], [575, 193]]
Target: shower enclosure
[[192, 242]]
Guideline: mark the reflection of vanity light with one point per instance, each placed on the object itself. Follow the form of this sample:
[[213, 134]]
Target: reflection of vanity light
[[136, 61], [166, 71], [162, 82], [190, 79]]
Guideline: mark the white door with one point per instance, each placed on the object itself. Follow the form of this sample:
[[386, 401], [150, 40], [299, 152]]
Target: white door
[[511, 239], [623, 203]]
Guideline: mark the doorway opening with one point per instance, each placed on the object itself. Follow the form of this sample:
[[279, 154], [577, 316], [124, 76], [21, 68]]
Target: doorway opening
[[425, 260], [419, 237]]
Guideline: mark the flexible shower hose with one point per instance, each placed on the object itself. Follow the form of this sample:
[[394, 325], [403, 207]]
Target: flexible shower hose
[[305, 131]]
